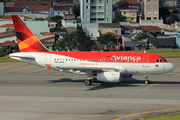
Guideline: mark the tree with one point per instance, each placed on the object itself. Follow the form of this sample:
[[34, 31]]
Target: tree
[[56, 18], [108, 41], [74, 41], [76, 10], [5, 50], [141, 36], [162, 12], [59, 29], [173, 18], [120, 18], [79, 27], [175, 11]]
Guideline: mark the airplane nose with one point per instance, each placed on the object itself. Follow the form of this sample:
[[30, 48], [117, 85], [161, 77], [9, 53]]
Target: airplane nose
[[171, 67]]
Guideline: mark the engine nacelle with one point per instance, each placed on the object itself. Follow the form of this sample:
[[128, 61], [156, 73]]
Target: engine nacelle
[[126, 75], [110, 77]]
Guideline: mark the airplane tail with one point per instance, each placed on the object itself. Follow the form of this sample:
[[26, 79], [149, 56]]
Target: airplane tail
[[27, 41]]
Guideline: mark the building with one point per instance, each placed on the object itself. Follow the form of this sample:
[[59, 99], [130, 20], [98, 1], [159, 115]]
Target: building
[[69, 21], [35, 26], [62, 10], [91, 29], [1, 9], [178, 39], [151, 9], [160, 43], [109, 27], [10, 44], [133, 45], [96, 11], [8, 35], [33, 6], [140, 29], [129, 4], [130, 13], [169, 3], [76, 2]]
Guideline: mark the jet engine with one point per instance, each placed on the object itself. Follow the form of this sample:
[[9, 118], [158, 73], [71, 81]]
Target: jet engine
[[127, 75], [110, 77]]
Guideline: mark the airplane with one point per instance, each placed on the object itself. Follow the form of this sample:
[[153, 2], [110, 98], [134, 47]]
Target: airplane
[[101, 67]]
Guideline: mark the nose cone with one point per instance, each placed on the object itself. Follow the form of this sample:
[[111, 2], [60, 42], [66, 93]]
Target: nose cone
[[170, 67]]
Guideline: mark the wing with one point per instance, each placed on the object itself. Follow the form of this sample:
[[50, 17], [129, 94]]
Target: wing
[[90, 69]]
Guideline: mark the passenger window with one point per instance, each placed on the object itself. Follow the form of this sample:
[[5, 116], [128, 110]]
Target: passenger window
[[139, 60], [97, 59], [54, 59], [108, 60], [71, 59], [94, 59], [74, 59], [91, 59], [88, 59]]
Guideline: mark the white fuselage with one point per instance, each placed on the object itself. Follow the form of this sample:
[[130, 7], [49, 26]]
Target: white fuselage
[[58, 61]]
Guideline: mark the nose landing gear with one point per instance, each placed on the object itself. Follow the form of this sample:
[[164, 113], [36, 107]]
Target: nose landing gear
[[146, 77]]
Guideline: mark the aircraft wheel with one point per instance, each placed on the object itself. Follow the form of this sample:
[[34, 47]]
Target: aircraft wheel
[[147, 82], [87, 82]]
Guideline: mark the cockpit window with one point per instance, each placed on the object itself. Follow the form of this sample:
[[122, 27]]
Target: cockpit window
[[161, 60], [165, 60]]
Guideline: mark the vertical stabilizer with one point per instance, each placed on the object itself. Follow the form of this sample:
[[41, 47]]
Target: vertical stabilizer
[[27, 41]]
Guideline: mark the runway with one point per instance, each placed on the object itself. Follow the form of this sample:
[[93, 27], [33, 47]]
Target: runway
[[28, 92]]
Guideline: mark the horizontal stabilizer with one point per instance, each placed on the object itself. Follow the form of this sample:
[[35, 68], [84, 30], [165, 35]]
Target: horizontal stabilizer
[[22, 56]]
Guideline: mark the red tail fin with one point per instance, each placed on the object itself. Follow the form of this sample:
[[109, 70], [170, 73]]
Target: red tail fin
[[27, 41]]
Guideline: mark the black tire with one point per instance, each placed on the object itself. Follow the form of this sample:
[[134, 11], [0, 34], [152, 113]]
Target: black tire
[[147, 82], [87, 82]]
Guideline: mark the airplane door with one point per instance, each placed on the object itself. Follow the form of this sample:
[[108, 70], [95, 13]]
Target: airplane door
[[48, 59], [146, 61]]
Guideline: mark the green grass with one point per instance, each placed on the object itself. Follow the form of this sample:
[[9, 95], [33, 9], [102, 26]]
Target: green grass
[[6, 59], [167, 53], [166, 117]]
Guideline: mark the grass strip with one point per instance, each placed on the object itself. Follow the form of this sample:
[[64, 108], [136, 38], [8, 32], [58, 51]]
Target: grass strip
[[166, 53], [166, 117], [7, 59]]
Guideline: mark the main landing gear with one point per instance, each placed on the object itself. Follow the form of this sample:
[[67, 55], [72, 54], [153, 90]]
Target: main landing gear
[[88, 82], [146, 77]]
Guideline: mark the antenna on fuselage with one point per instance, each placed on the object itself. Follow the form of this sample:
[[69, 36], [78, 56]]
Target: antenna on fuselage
[[144, 51]]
